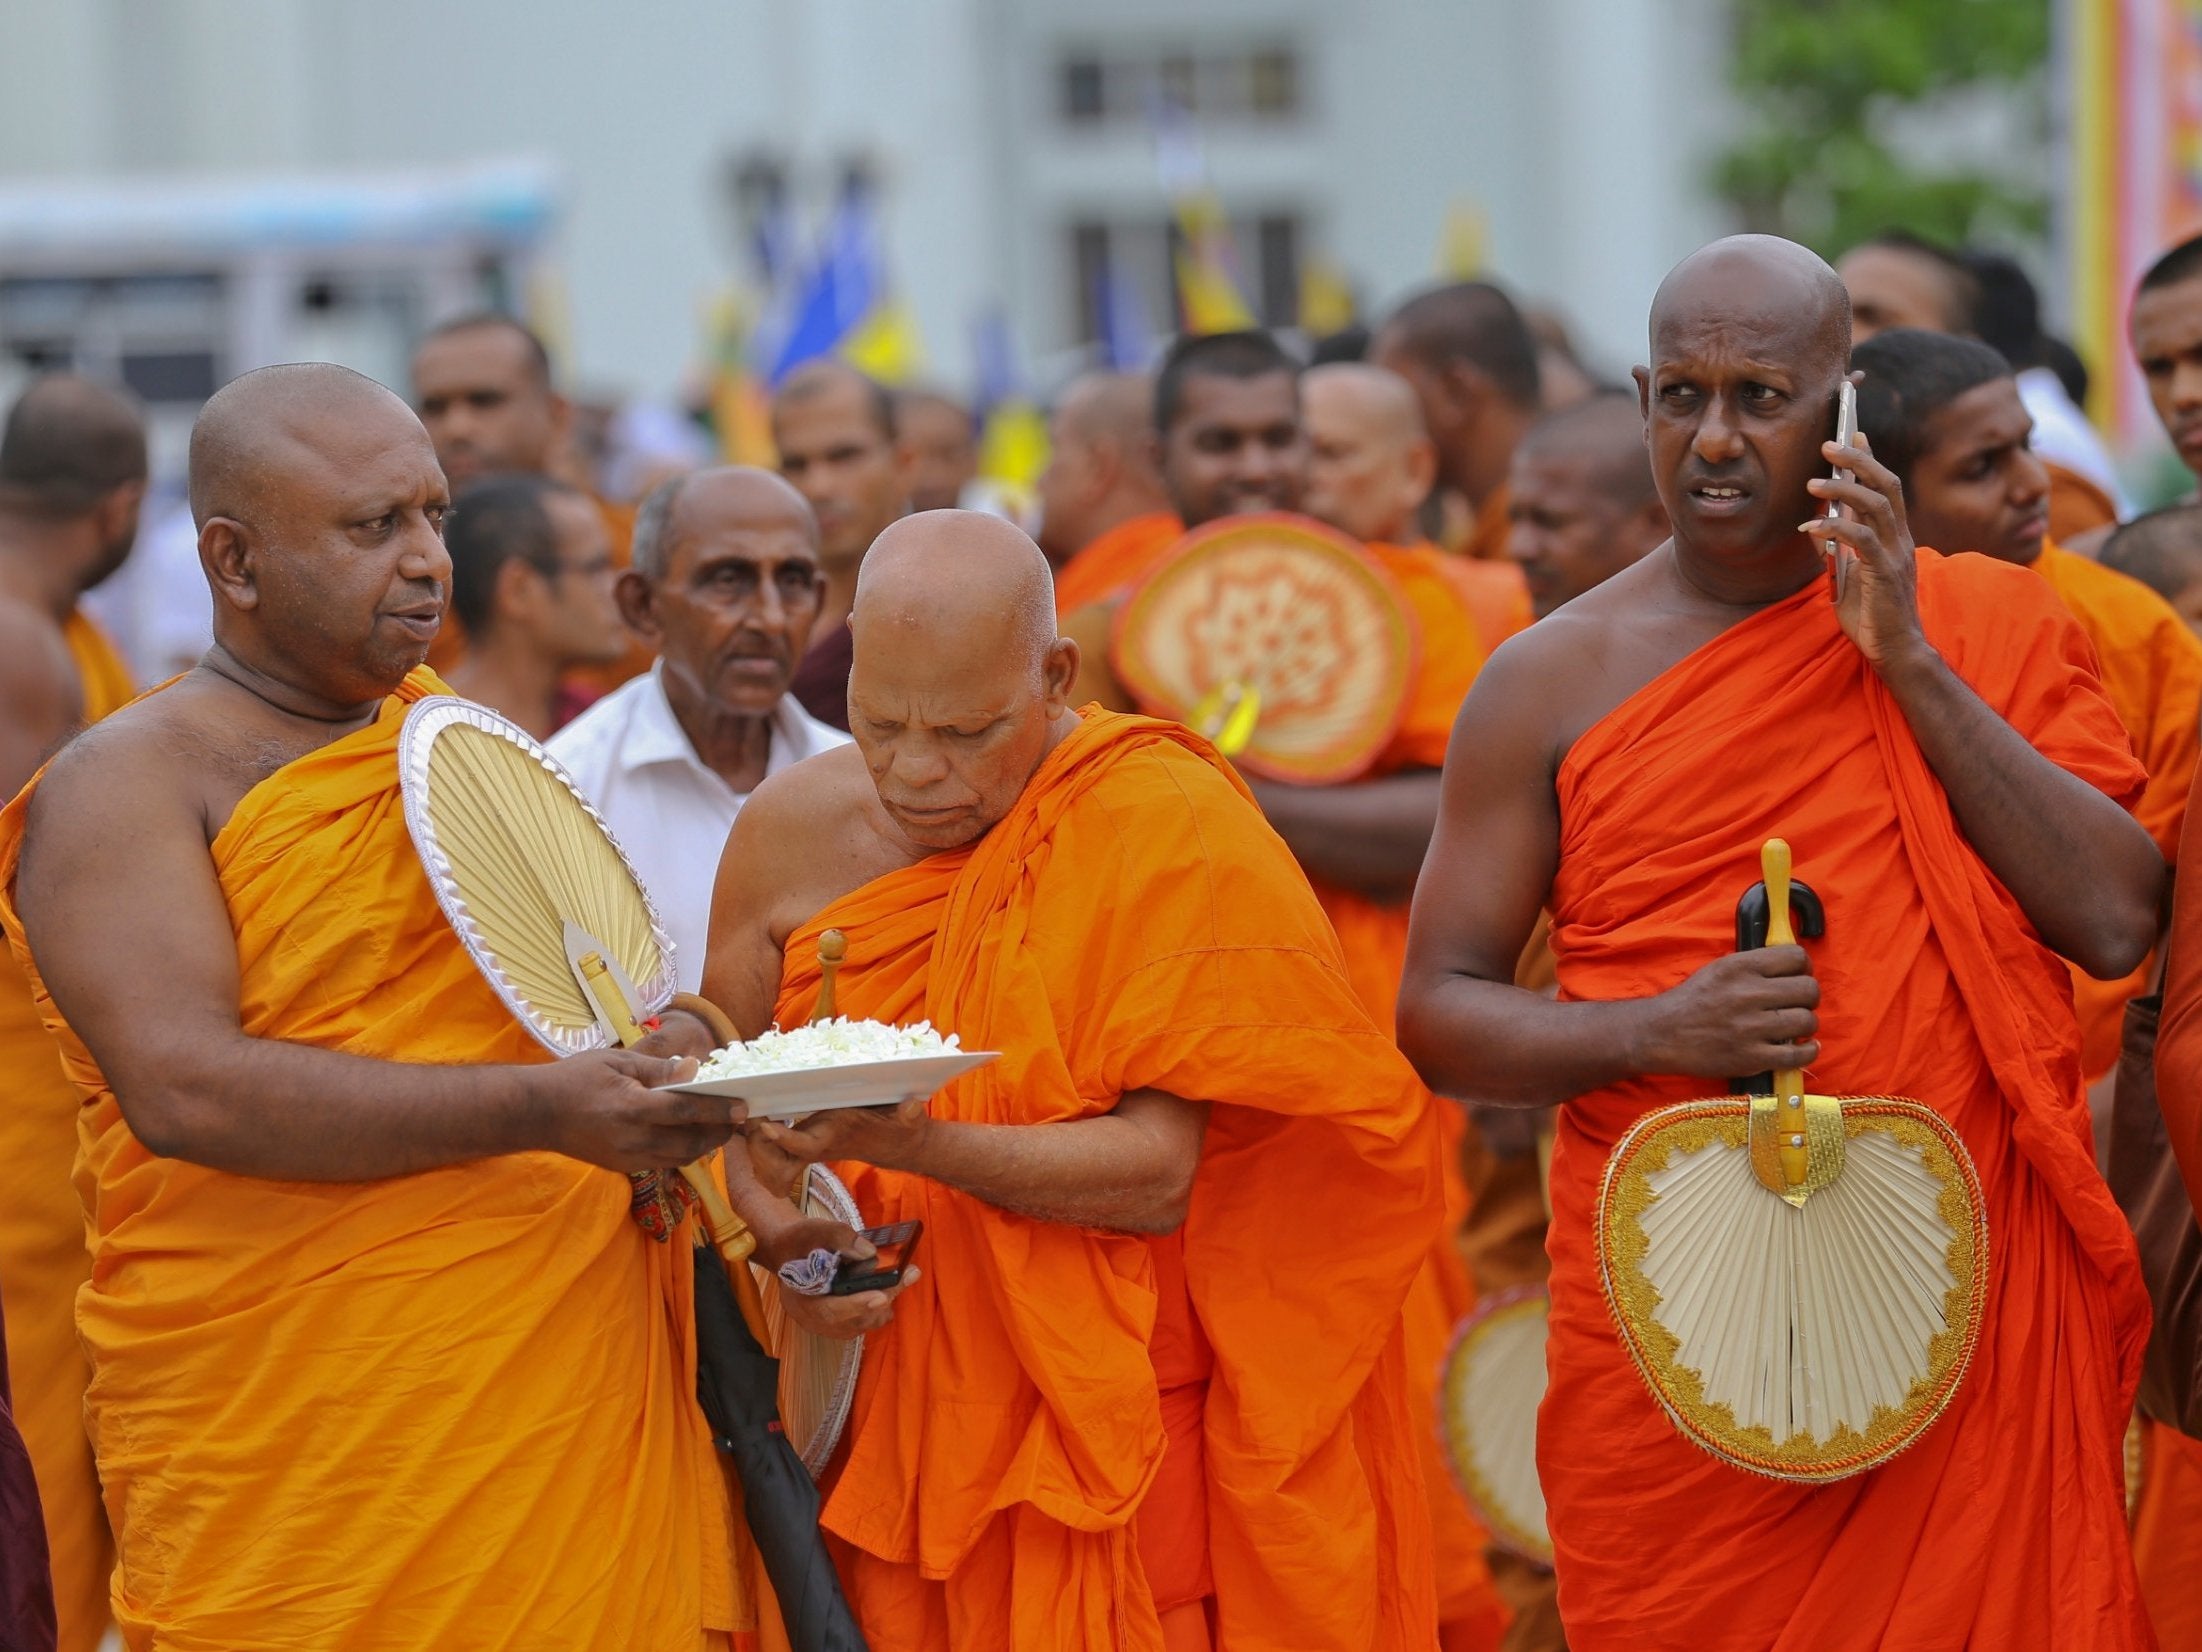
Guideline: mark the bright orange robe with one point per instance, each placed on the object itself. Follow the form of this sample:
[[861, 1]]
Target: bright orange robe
[[1496, 596], [1116, 559], [1132, 923], [1373, 936], [2152, 670], [42, 1256], [2004, 1526], [451, 1410]]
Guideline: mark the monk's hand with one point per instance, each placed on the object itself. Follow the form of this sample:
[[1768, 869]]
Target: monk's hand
[[796, 1238], [1874, 564], [1743, 1013], [842, 1317], [605, 1108], [891, 1137]]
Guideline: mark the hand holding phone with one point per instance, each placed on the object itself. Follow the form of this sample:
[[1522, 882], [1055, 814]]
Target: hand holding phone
[[895, 1247]]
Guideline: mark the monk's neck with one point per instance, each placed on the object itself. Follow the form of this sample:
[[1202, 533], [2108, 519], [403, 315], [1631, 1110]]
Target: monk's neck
[[281, 693], [38, 569], [735, 746], [1750, 583], [509, 678]]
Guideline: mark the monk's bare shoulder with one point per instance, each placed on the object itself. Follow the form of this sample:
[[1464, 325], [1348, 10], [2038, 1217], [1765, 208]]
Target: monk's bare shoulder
[[805, 838]]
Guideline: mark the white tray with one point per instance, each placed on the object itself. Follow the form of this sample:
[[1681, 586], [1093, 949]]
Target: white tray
[[807, 1090]]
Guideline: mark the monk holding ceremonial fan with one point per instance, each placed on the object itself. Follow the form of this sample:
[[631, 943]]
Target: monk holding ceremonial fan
[[1931, 737]]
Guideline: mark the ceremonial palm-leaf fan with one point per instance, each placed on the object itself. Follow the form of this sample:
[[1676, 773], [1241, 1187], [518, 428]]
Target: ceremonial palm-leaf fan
[[817, 1376], [1279, 640], [1799, 1279], [1488, 1393]]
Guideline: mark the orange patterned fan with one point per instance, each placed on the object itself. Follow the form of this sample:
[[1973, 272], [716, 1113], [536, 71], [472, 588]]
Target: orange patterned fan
[[1276, 638]]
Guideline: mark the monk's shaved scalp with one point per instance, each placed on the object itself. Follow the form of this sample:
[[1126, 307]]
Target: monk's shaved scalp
[[1787, 293], [1109, 407], [68, 444], [252, 424], [1472, 322], [1378, 400], [961, 574], [1606, 433], [744, 490], [2163, 550]]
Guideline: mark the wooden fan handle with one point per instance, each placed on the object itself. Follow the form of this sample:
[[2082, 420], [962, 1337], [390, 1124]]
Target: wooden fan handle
[[833, 950], [596, 975]]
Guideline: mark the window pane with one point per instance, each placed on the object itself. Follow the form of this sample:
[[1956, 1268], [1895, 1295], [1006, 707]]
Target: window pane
[[1275, 88], [1278, 240], [1082, 90]]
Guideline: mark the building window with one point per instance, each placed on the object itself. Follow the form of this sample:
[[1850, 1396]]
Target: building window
[[1260, 83], [1084, 83], [1277, 238], [1141, 254]]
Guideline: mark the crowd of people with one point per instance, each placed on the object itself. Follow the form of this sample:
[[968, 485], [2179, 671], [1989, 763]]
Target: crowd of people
[[326, 1320]]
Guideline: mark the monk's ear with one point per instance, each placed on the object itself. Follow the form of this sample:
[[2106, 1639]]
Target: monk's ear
[[1642, 375], [1059, 674], [230, 559], [637, 600]]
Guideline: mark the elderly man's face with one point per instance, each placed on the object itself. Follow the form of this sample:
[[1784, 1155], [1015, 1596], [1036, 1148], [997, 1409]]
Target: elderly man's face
[[485, 403], [741, 592], [952, 734]]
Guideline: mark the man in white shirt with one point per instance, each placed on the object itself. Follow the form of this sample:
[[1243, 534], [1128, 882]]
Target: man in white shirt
[[726, 586]]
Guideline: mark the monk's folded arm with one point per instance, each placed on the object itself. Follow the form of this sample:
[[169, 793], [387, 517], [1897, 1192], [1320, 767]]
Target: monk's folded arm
[[123, 914], [1369, 836], [2082, 868], [1129, 1170]]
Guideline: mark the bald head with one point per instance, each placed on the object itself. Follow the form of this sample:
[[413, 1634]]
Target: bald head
[[1101, 462], [960, 686], [1469, 354], [1371, 462], [320, 508], [69, 444], [1580, 499], [735, 497], [2163, 550], [1777, 290]]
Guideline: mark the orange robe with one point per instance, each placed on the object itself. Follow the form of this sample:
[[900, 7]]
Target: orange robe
[[1116, 559], [451, 1410], [2152, 671], [1496, 597], [1493, 526], [2004, 1526], [1132, 923], [42, 1256], [1373, 936]]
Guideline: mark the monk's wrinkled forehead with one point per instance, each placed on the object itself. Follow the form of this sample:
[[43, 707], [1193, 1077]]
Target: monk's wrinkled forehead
[[962, 575], [1756, 296]]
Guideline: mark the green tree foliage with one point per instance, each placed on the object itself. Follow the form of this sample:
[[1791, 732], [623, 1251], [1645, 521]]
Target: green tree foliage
[[1818, 82]]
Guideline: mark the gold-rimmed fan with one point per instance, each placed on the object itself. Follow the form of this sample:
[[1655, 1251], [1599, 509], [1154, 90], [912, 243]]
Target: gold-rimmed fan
[[1282, 641], [1489, 1389], [1798, 1278]]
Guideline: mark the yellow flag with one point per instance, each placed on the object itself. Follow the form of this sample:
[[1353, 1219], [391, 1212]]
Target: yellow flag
[[1460, 251], [886, 345], [1208, 298], [1326, 301]]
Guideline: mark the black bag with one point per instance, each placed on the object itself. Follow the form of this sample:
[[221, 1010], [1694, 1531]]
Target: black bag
[[2145, 1179]]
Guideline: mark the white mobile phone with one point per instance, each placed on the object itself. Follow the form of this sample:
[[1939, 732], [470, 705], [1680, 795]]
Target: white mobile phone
[[1846, 432]]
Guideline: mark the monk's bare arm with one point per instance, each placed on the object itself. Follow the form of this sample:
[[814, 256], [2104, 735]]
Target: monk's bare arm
[[38, 707], [741, 967], [1468, 1029], [1129, 1170], [1369, 837], [127, 923], [2083, 870]]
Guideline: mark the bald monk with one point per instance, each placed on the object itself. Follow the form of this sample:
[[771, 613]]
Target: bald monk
[[379, 1359], [1104, 516], [835, 432], [1581, 499], [1937, 746], [72, 475], [1370, 466], [1472, 360], [1944, 414], [1095, 896], [1903, 280], [2163, 550]]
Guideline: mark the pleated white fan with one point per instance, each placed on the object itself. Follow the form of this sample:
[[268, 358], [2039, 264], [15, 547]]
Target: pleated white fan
[[1278, 639], [817, 1376], [1798, 1278], [1488, 1393]]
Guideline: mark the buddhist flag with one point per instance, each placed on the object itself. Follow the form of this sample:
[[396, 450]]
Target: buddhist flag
[[1207, 289], [1012, 430], [1127, 340], [2134, 69], [740, 408], [1460, 248], [846, 305], [1326, 299]]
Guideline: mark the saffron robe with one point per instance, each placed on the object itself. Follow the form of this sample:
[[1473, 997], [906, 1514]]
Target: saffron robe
[[453, 1409], [2004, 1525], [1120, 557], [1132, 923], [43, 1261]]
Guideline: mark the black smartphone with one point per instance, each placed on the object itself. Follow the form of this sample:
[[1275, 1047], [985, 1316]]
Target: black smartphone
[[896, 1245]]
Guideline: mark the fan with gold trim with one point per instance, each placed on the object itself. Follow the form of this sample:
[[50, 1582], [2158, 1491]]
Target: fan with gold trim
[[1489, 1390], [1798, 1278], [1278, 639]]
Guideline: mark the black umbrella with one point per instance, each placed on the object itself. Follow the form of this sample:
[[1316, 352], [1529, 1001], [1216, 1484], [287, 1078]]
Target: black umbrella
[[738, 1384]]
